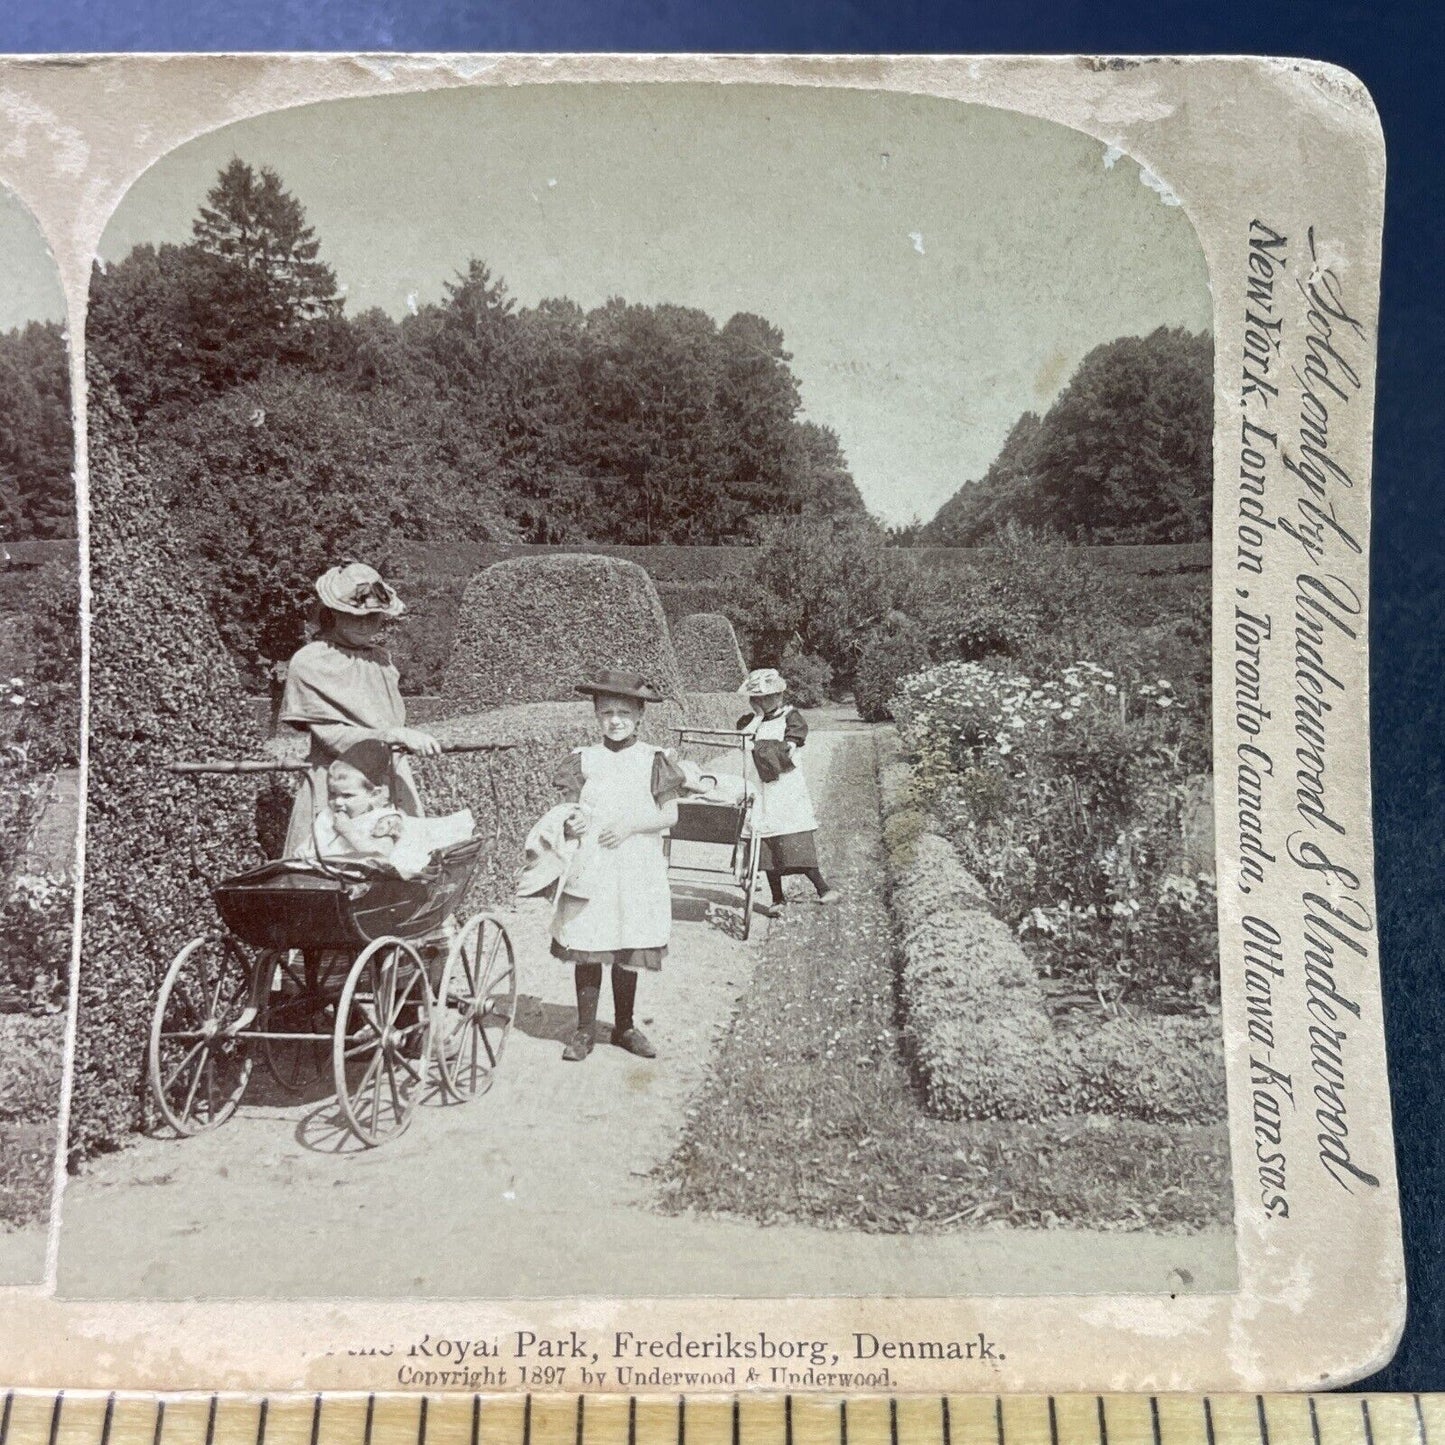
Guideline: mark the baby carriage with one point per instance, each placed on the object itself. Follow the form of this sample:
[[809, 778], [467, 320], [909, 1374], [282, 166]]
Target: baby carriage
[[721, 821], [336, 966]]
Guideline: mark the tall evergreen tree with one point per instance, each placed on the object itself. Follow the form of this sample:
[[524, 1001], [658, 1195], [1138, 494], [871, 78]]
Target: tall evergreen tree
[[252, 222], [980, 509]]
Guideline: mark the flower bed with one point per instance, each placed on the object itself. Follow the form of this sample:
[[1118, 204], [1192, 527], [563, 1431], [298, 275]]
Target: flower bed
[[1065, 795], [981, 1036]]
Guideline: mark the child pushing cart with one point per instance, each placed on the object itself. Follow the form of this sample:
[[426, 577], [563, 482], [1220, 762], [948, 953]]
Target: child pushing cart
[[784, 818]]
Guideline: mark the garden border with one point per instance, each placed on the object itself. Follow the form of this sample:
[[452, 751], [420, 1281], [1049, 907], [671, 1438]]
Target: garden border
[[975, 1018]]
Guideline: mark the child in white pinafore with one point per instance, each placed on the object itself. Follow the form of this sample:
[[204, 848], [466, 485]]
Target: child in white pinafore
[[627, 791], [783, 815]]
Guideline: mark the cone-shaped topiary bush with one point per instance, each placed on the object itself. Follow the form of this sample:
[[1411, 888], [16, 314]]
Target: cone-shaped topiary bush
[[161, 688], [530, 630], [708, 653]]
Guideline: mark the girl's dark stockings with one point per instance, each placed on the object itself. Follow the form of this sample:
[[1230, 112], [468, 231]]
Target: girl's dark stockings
[[589, 987], [589, 990], [775, 883], [624, 996]]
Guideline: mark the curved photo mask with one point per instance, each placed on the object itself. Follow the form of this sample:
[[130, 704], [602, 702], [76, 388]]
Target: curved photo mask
[[664, 661], [39, 734]]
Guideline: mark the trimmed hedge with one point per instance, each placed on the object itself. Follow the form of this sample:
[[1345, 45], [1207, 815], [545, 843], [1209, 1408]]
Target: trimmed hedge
[[809, 677], [890, 653], [708, 653], [51, 725], [683, 599], [508, 791], [665, 561], [980, 1032], [1164, 1067], [161, 687], [31, 1058], [1142, 558], [531, 630], [36, 928], [671, 562]]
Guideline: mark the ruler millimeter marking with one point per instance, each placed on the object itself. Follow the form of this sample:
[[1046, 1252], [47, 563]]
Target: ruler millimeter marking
[[127, 1418]]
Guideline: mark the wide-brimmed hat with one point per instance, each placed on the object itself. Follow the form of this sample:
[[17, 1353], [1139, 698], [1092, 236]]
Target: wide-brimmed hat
[[620, 684], [763, 682], [358, 590]]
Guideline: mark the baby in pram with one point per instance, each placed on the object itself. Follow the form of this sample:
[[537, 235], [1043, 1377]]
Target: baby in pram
[[361, 822]]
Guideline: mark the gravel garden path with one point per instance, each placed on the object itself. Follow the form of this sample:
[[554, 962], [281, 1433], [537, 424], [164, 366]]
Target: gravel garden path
[[542, 1186]]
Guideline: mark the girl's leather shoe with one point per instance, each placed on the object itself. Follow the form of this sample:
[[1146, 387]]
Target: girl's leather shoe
[[635, 1042], [578, 1046]]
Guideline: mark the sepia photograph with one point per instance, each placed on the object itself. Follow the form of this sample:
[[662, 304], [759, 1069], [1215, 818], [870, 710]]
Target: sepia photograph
[[39, 733], [650, 721]]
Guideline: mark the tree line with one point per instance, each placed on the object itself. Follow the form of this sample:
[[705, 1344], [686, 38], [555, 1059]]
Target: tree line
[[37, 496], [1125, 454], [284, 433]]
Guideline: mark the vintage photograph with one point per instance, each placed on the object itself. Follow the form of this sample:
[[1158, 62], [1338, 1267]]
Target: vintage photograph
[[39, 733], [651, 709]]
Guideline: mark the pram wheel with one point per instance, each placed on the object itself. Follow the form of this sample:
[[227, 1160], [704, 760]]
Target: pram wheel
[[476, 1004], [382, 1045], [292, 1003], [199, 1061]]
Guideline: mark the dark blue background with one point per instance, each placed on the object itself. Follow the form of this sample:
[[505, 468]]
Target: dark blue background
[[1396, 49]]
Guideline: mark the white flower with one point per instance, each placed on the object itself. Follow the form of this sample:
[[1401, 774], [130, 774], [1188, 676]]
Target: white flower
[[1164, 682], [1110, 688], [1166, 702], [1066, 715]]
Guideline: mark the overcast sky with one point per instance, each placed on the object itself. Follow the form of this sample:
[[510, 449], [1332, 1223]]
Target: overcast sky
[[936, 268]]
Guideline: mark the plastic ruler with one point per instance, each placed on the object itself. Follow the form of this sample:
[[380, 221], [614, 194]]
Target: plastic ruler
[[32, 1417]]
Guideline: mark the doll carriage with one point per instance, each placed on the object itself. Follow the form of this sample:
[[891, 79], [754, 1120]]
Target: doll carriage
[[719, 823], [339, 971]]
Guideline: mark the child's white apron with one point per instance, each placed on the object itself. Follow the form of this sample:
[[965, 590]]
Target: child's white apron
[[783, 806], [628, 903]]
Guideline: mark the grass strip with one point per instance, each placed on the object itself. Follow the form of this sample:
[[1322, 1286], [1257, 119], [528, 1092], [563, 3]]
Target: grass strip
[[811, 1115]]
